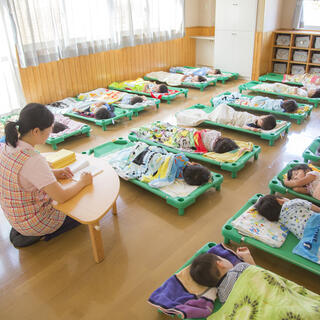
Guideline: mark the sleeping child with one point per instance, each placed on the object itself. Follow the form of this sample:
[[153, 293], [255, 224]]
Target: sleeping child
[[305, 78], [175, 79], [303, 179], [140, 85], [157, 167], [279, 105], [210, 270], [308, 91], [203, 71], [98, 110]]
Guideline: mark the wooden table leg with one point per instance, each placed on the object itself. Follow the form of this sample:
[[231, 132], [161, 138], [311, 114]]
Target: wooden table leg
[[114, 207], [96, 242]]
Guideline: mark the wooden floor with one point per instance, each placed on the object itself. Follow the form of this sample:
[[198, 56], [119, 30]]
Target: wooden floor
[[146, 243]]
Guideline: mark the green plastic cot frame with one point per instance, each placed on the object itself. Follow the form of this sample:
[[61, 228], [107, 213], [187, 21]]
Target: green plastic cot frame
[[284, 252], [299, 117], [197, 85], [310, 153], [277, 77], [271, 137], [222, 78], [120, 113], [276, 184], [232, 167], [166, 98], [181, 203], [135, 111], [249, 86], [53, 141]]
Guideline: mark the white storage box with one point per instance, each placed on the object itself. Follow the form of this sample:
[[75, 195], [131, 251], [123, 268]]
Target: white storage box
[[280, 67], [282, 54], [299, 55], [315, 70], [302, 41], [283, 40], [316, 58], [298, 69]]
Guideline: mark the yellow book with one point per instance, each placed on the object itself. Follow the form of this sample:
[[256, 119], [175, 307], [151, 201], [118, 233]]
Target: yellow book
[[60, 159]]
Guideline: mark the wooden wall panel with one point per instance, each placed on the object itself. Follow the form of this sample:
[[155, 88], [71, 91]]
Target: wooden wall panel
[[52, 81]]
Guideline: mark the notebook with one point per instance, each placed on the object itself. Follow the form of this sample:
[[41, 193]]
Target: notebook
[[81, 166]]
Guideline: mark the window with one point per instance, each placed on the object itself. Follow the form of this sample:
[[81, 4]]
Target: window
[[311, 15]]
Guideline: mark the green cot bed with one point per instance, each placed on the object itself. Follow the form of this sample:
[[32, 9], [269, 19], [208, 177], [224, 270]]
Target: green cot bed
[[276, 184], [232, 167], [299, 117], [135, 111], [120, 113], [166, 98], [197, 85], [178, 202], [276, 77], [53, 141], [250, 87], [271, 137], [225, 76], [284, 252], [310, 152]]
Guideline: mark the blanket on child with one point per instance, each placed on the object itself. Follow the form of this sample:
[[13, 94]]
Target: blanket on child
[[72, 125], [190, 140], [261, 294], [305, 78], [172, 79], [180, 295]]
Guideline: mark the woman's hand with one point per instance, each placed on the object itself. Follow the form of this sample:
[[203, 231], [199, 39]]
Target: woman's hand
[[86, 178], [64, 173]]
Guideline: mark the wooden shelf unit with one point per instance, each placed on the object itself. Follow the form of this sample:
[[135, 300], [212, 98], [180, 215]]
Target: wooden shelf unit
[[289, 62]]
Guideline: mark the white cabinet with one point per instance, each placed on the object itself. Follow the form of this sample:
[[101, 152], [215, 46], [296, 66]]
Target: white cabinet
[[234, 35]]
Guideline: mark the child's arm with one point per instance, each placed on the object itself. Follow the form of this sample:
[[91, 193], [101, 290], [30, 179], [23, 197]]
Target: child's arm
[[315, 208], [244, 253], [303, 190], [299, 183], [251, 128]]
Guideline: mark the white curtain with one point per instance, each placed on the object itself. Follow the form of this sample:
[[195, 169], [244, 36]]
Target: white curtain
[[11, 93], [298, 15], [49, 30]]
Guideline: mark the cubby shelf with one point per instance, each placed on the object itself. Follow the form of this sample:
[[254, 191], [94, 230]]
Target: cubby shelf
[[289, 62]]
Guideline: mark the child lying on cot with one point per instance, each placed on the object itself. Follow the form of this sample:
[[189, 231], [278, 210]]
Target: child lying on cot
[[187, 138], [175, 79], [211, 270], [157, 166], [288, 106], [141, 85], [303, 179], [309, 91], [97, 110], [293, 214], [204, 71]]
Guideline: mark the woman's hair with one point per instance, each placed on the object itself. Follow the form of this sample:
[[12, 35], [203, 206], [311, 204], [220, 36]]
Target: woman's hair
[[301, 166], [316, 94], [196, 174], [201, 79], [289, 106], [269, 207], [224, 145], [163, 88], [135, 100], [268, 122], [58, 127], [33, 115], [104, 113], [204, 270]]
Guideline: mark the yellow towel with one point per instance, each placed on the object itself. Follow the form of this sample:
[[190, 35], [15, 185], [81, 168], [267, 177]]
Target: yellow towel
[[60, 159], [231, 156]]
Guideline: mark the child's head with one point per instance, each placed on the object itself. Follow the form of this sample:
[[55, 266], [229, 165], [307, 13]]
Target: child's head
[[208, 268], [267, 122], [223, 145], [318, 151], [200, 79], [162, 88], [58, 127], [136, 99], [289, 106], [32, 116], [196, 174], [314, 93], [104, 113], [269, 207], [298, 172]]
